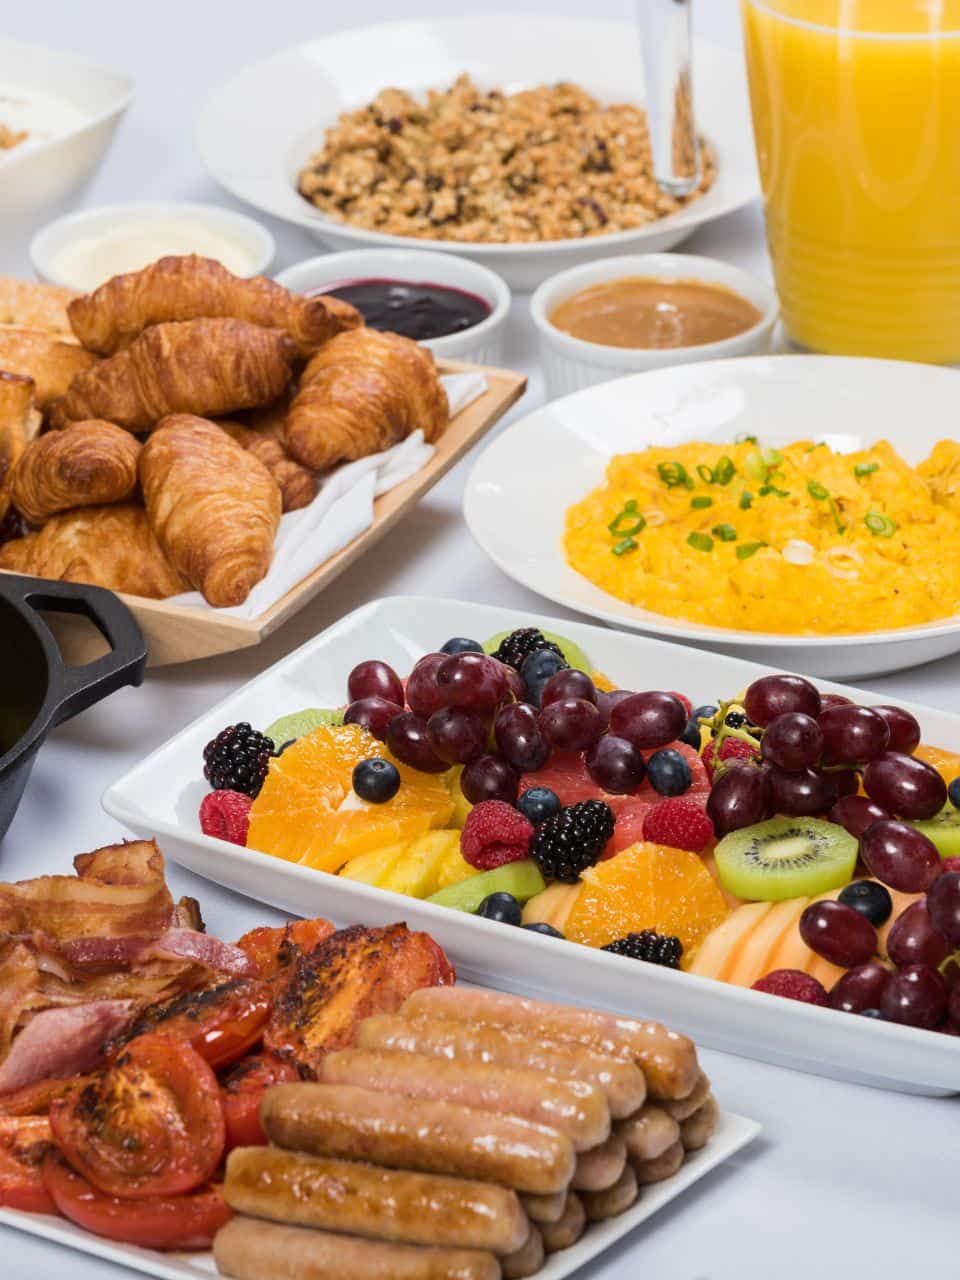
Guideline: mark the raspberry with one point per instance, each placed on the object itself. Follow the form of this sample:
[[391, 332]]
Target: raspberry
[[679, 823], [226, 815], [730, 749], [793, 984], [681, 697], [494, 833]]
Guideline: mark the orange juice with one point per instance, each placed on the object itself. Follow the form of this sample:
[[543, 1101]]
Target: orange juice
[[856, 112]]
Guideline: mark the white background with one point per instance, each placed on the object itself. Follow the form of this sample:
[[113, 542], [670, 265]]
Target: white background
[[845, 1181]]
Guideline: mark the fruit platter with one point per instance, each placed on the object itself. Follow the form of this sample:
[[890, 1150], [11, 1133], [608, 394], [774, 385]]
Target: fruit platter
[[770, 866]]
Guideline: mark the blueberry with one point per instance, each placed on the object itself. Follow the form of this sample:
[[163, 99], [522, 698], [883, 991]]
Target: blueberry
[[376, 780], [546, 929], [461, 644], [706, 712], [870, 899], [538, 804], [537, 669], [953, 791], [691, 734], [502, 907], [872, 1013], [669, 773]]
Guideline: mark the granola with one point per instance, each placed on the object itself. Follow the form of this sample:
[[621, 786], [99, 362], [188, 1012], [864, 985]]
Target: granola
[[549, 163]]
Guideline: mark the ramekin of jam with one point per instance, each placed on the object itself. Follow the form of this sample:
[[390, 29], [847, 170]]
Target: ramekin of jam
[[455, 307]]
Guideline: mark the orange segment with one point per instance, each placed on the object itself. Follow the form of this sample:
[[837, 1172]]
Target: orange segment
[[946, 763], [307, 811], [647, 886]]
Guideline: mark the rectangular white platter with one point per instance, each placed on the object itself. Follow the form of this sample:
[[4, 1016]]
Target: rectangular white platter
[[161, 798], [733, 1132]]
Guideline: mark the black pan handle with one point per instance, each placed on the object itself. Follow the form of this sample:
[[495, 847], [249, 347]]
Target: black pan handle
[[76, 688]]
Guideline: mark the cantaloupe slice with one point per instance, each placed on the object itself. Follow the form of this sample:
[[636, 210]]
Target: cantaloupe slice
[[752, 962], [552, 906], [720, 948]]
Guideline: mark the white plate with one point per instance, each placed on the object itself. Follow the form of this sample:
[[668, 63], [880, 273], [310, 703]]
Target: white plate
[[162, 795], [733, 1133], [257, 131], [522, 484]]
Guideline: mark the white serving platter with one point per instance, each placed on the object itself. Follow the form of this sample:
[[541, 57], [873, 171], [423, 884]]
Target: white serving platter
[[161, 796], [567, 445], [733, 1133], [257, 131]]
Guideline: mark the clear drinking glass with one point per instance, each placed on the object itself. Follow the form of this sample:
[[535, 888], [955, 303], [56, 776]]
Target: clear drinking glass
[[856, 114]]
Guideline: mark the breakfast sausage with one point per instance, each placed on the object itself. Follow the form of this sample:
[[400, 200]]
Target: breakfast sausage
[[697, 1130], [526, 1261], [432, 1137], [668, 1059], [381, 1204], [599, 1205], [681, 1108], [568, 1230], [649, 1133], [622, 1081], [249, 1249], [573, 1107], [545, 1208], [663, 1167], [600, 1168]]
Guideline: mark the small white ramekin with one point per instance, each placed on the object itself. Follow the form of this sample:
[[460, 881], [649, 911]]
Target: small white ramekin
[[88, 223], [481, 344], [570, 364]]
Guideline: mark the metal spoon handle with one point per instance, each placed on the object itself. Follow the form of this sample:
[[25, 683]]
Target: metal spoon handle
[[665, 40]]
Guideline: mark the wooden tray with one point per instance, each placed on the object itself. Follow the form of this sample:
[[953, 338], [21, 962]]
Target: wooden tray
[[178, 633]]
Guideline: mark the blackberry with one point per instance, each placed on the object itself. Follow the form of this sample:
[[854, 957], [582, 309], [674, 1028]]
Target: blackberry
[[520, 644], [654, 948], [237, 759], [566, 845]]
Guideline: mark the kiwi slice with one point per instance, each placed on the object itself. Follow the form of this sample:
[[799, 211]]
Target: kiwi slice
[[298, 723], [574, 655], [522, 879], [944, 830], [786, 858]]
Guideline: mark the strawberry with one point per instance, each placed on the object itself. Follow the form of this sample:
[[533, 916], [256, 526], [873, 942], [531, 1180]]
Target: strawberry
[[793, 984], [679, 823], [226, 815], [495, 833], [730, 749]]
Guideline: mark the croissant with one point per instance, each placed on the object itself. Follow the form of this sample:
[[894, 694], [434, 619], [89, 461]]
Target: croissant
[[191, 287], [36, 306], [199, 366], [297, 484], [214, 508], [110, 547], [87, 465], [16, 400], [362, 392], [51, 364]]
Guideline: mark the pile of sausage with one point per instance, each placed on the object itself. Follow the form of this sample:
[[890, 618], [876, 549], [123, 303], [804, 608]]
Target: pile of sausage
[[463, 1139]]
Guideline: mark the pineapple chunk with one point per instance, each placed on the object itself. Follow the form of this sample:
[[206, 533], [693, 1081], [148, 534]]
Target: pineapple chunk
[[461, 805], [453, 869], [375, 866], [415, 873]]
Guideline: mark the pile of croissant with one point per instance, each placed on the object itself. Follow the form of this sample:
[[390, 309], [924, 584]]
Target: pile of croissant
[[122, 462]]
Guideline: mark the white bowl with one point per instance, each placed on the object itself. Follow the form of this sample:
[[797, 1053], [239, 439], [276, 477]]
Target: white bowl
[[567, 445], [257, 131], [483, 344], [570, 364], [249, 234], [39, 177]]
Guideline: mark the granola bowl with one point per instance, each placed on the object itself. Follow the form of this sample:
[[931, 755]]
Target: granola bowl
[[263, 133]]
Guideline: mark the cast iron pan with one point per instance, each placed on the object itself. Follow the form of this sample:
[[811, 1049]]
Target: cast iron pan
[[38, 690]]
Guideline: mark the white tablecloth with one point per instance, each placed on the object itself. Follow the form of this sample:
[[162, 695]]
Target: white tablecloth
[[845, 1181]]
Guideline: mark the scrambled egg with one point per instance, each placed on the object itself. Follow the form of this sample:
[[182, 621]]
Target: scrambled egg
[[800, 540]]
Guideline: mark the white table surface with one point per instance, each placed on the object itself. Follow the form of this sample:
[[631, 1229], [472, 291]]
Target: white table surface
[[844, 1179]]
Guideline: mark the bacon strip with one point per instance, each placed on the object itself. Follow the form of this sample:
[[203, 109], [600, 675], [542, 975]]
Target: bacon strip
[[201, 948], [63, 1042]]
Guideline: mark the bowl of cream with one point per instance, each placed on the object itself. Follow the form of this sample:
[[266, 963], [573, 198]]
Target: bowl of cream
[[82, 250]]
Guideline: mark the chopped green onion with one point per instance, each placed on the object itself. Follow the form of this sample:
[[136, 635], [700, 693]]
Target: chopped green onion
[[705, 473], [835, 512], [880, 526], [766, 489], [724, 471], [744, 438], [771, 457], [700, 504], [628, 522], [700, 542], [865, 469], [674, 475], [816, 490], [821, 444], [748, 549], [621, 549], [725, 532], [746, 500]]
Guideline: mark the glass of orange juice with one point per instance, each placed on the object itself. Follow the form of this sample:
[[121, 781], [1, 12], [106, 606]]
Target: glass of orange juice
[[856, 114]]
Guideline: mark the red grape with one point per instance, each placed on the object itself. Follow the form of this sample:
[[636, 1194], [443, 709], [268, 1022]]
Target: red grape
[[900, 856], [616, 765], [943, 903], [904, 729], [773, 696], [456, 735], [834, 700], [904, 785], [490, 779], [423, 695], [838, 933], [856, 813], [407, 739], [860, 988], [792, 741], [568, 684], [515, 683], [571, 725], [518, 737], [915, 997], [472, 680], [802, 793], [953, 1007], [374, 679], [374, 714], [913, 939], [648, 720], [853, 735], [846, 782], [738, 798], [607, 701]]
